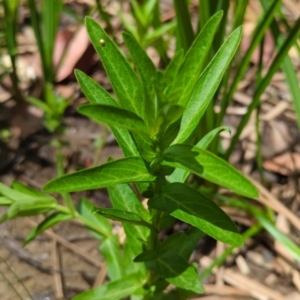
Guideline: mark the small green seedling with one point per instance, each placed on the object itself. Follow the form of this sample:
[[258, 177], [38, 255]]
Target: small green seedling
[[53, 107]]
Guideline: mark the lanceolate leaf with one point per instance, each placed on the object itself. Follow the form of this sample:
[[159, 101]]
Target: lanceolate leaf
[[206, 87], [110, 249], [22, 194], [30, 207], [115, 116], [50, 221], [20, 187], [122, 216], [94, 92], [88, 211], [173, 68], [208, 138], [180, 175], [190, 206], [192, 64], [4, 201], [118, 289], [123, 79], [123, 197], [125, 141], [97, 95], [210, 167], [180, 243], [176, 270], [188, 280], [130, 169], [147, 72]]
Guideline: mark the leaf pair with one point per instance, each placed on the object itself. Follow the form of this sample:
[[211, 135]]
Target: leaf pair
[[170, 260], [133, 169]]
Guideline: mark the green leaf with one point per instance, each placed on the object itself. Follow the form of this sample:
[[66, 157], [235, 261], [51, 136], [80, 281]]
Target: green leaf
[[147, 73], [115, 290], [152, 35], [193, 62], [278, 235], [183, 243], [172, 69], [180, 175], [122, 216], [188, 280], [31, 207], [98, 95], [176, 270], [165, 221], [208, 138], [50, 16], [169, 259], [87, 210], [185, 33], [125, 141], [39, 104], [123, 79], [49, 222], [4, 201], [192, 207], [179, 243], [145, 147], [130, 169], [206, 87], [167, 266], [12, 194], [20, 187], [95, 93], [210, 167], [114, 116], [110, 249], [123, 197]]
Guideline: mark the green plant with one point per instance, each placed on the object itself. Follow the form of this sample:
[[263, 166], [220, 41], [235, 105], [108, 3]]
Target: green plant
[[9, 26], [45, 24], [53, 107], [148, 28], [153, 119]]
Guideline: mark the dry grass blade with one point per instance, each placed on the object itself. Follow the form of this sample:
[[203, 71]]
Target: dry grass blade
[[256, 289], [59, 293], [269, 200]]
